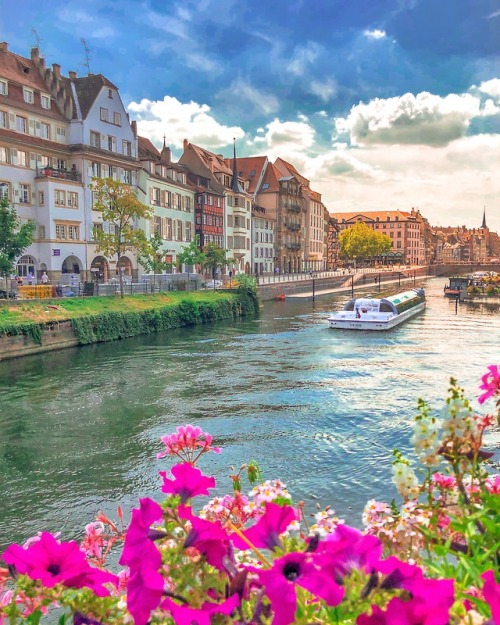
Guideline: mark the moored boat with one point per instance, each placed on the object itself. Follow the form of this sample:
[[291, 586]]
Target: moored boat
[[367, 313], [457, 284]]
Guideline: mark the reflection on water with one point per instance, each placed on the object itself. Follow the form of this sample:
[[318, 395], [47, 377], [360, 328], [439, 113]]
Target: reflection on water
[[321, 408]]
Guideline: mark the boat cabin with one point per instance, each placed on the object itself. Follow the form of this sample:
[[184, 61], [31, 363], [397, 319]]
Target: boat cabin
[[395, 304]]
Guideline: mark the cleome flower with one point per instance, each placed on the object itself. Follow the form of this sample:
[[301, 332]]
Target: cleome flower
[[188, 443]]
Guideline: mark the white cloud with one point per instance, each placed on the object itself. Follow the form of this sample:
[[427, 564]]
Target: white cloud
[[375, 34], [491, 87], [325, 90], [289, 137], [422, 119], [303, 57], [179, 121]]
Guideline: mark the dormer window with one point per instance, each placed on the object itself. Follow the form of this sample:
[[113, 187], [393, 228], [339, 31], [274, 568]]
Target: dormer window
[[45, 101], [110, 93], [28, 95], [4, 89]]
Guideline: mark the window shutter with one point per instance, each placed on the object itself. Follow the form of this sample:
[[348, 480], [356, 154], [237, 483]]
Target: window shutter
[[12, 121], [32, 160], [163, 195], [31, 127], [38, 127]]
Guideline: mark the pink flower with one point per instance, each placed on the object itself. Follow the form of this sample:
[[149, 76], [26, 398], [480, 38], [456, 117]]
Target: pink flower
[[208, 538], [491, 594], [145, 585], [398, 574], [297, 569], [188, 443], [54, 562], [266, 532], [490, 383], [189, 482], [349, 549], [184, 615]]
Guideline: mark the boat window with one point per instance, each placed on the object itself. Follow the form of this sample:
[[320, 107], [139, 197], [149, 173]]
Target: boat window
[[349, 305], [385, 307]]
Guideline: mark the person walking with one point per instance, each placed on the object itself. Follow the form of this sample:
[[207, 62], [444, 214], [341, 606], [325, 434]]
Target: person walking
[[45, 278], [30, 278]]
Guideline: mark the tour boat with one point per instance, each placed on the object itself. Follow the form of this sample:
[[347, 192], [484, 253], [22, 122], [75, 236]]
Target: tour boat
[[367, 313]]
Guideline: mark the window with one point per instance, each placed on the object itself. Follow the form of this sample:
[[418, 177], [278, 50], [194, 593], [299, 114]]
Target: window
[[45, 100], [22, 158], [157, 225], [4, 155], [179, 230], [5, 190], [188, 231], [4, 90], [44, 131], [72, 199], [95, 139], [41, 232], [117, 119], [28, 95], [265, 186], [104, 114], [24, 193], [96, 170], [111, 143], [60, 231], [110, 93], [168, 233], [41, 200], [73, 233], [59, 197], [60, 134], [21, 124], [127, 147], [97, 227], [3, 119], [127, 176]]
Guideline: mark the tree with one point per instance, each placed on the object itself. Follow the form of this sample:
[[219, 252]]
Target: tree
[[191, 255], [360, 241], [152, 257], [15, 237], [120, 209], [215, 257]]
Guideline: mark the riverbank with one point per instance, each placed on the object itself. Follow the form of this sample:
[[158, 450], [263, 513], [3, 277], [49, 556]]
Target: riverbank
[[38, 326]]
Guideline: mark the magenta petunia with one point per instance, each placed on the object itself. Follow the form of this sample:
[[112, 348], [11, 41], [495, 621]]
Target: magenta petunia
[[398, 574], [208, 538], [307, 570], [185, 615], [266, 532], [145, 585], [55, 562], [349, 549], [490, 383], [137, 537], [491, 594], [189, 482]]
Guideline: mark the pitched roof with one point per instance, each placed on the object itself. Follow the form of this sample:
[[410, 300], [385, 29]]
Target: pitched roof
[[21, 70], [214, 162], [147, 150], [373, 215], [88, 88], [248, 165], [285, 167], [271, 178]]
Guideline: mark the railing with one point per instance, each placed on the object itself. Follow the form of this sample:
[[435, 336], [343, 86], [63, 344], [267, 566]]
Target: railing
[[294, 208], [293, 246], [292, 225], [52, 172]]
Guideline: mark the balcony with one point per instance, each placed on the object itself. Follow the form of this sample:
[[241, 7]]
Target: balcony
[[291, 225], [293, 208], [64, 174], [292, 246], [240, 210]]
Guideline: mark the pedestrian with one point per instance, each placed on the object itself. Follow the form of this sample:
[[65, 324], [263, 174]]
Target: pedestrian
[[19, 280], [30, 278], [45, 278]]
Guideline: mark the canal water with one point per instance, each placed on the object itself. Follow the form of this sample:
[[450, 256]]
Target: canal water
[[321, 409]]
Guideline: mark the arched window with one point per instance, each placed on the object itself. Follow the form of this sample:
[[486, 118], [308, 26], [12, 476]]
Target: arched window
[[25, 266]]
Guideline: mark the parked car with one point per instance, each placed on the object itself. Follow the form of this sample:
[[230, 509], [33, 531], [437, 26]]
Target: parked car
[[213, 284]]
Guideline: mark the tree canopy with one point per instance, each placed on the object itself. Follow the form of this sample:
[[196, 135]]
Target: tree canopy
[[360, 241], [15, 236], [120, 210], [215, 257]]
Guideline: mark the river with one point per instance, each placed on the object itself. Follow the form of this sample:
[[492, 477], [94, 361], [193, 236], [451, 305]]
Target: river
[[321, 409]]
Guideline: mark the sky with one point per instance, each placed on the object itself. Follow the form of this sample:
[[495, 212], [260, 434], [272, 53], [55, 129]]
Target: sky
[[382, 104]]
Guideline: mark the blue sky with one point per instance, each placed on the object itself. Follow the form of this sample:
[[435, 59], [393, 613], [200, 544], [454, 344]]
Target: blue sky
[[381, 103]]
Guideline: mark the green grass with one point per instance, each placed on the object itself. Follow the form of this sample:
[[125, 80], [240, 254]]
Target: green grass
[[34, 311]]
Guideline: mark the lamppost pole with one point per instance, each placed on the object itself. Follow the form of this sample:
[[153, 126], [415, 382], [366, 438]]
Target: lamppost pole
[[313, 276]]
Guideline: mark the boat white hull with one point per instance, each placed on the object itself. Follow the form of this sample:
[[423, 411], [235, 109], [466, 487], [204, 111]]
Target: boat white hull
[[347, 320]]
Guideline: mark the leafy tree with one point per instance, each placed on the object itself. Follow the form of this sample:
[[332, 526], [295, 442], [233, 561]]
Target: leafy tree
[[191, 255], [215, 257], [14, 238], [360, 241], [119, 207], [152, 257]]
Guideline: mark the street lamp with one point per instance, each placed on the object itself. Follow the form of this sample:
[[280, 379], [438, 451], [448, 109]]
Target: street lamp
[[313, 276]]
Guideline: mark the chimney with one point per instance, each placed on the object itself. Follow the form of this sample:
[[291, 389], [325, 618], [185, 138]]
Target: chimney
[[133, 125], [72, 75], [4, 46], [35, 53], [166, 155], [56, 68], [186, 143]]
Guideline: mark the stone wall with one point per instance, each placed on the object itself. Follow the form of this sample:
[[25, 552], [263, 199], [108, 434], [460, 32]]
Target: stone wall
[[56, 335]]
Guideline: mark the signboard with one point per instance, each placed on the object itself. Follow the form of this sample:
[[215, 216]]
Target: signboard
[[56, 252]]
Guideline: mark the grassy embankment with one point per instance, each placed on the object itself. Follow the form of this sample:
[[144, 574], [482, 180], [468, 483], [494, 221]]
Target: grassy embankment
[[107, 318]]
